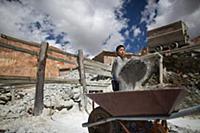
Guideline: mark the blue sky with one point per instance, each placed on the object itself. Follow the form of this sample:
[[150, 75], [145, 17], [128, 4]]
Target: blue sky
[[135, 33], [94, 25]]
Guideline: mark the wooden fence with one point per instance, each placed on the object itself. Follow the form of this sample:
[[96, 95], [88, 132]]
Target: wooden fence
[[84, 66]]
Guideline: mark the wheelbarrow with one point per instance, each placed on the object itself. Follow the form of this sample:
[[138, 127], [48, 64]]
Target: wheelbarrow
[[145, 111]]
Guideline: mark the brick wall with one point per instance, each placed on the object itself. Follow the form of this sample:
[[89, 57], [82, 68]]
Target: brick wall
[[14, 63]]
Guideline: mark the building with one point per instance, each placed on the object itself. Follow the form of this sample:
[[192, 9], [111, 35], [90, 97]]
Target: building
[[19, 63], [196, 40], [107, 57]]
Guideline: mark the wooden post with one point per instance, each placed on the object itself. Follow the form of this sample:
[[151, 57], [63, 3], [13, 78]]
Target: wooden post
[[12, 90], [161, 69], [39, 105], [82, 78]]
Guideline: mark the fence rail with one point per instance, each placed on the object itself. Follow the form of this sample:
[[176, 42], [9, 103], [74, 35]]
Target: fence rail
[[19, 80], [37, 45], [97, 68], [34, 53], [100, 65]]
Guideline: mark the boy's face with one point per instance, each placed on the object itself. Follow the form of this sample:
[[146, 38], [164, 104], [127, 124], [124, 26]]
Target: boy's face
[[121, 52]]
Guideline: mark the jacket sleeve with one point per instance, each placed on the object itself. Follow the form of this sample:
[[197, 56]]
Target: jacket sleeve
[[114, 70]]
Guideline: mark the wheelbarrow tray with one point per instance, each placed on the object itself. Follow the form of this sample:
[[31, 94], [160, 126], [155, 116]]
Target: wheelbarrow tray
[[140, 103]]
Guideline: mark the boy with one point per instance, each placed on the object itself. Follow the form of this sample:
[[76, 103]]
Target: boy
[[119, 62]]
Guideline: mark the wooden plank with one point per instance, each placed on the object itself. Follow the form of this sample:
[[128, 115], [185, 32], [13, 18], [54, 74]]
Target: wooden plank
[[34, 53], [183, 49], [188, 48], [12, 91], [36, 45], [63, 81], [81, 68], [61, 60], [88, 62], [98, 72], [82, 77], [20, 40], [26, 86], [8, 46], [30, 80], [23, 82], [97, 84], [7, 77], [95, 67], [39, 105]]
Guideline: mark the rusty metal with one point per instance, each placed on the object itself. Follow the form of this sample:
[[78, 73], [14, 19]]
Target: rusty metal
[[124, 127], [99, 114], [124, 118], [140, 103], [181, 113]]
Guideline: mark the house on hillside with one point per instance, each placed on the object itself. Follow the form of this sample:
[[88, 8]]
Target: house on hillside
[[107, 57]]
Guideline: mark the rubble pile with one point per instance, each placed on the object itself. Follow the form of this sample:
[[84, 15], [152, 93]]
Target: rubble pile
[[181, 69], [56, 97]]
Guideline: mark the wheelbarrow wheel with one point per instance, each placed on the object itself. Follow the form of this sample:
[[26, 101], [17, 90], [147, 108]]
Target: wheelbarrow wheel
[[99, 114]]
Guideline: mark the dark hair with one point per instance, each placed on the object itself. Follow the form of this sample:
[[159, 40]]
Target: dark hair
[[119, 46]]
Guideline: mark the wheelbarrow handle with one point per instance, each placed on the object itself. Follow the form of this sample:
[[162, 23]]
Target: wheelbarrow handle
[[186, 112]]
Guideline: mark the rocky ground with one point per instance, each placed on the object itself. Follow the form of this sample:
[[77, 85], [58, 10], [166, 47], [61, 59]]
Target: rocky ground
[[182, 69], [60, 101]]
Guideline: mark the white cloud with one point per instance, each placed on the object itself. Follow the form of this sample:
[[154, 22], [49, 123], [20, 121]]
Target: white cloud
[[174, 10], [87, 22], [126, 33], [136, 31], [149, 12]]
